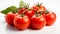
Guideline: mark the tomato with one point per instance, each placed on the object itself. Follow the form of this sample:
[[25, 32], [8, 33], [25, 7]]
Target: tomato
[[10, 17], [21, 10], [50, 18], [35, 8], [21, 23], [30, 13], [39, 9], [38, 22]]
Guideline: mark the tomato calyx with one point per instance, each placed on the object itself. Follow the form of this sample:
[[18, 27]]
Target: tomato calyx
[[46, 12], [36, 13], [43, 12], [38, 5], [23, 5]]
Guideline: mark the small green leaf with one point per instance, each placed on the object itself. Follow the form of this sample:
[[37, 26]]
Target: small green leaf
[[9, 9]]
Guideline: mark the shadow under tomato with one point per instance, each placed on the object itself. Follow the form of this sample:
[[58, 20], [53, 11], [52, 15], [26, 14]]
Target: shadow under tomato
[[31, 28], [11, 28]]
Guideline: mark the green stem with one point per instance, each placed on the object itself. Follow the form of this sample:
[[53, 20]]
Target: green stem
[[36, 14], [23, 13]]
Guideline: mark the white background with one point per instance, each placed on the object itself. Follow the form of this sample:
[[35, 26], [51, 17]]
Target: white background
[[53, 5]]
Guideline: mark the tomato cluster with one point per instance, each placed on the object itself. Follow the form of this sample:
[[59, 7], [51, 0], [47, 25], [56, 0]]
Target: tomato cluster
[[36, 17]]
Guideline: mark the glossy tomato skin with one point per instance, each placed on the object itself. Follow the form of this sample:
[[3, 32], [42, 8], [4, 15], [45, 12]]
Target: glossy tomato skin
[[38, 22], [21, 10], [50, 18], [21, 23], [9, 18], [30, 13]]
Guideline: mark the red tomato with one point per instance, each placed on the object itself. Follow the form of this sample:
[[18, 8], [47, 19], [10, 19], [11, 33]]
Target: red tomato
[[50, 18], [35, 8], [9, 18], [30, 13], [38, 22], [39, 9], [21, 10], [21, 23]]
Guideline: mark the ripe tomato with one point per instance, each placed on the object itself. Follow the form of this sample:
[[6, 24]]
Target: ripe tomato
[[35, 8], [21, 10], [39, 9], [50, 18], [10, 17], [38, 22], [21, 23], [30, 13]]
